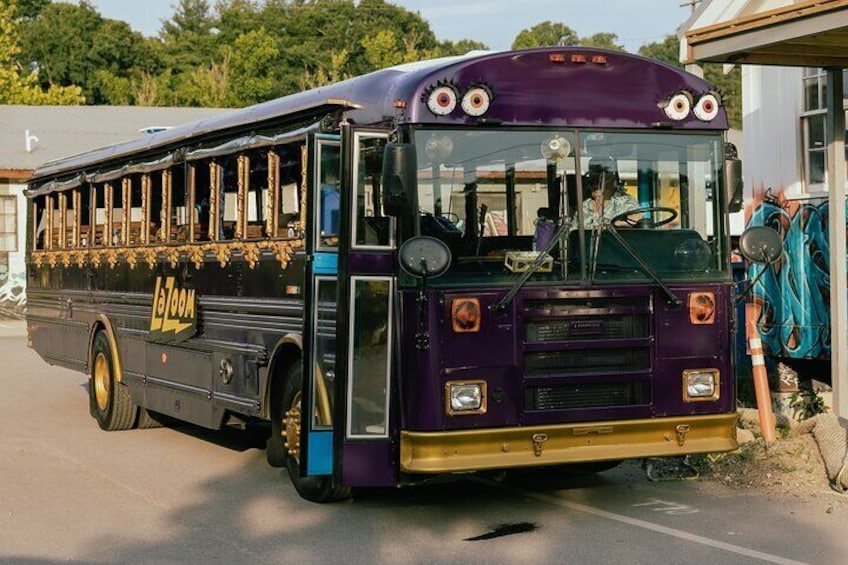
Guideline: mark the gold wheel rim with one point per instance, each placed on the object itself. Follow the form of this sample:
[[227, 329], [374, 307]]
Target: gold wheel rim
[[291, 428], [102, 381]]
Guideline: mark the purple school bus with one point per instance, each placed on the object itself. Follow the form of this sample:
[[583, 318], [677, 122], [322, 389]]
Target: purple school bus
[[405, 274]]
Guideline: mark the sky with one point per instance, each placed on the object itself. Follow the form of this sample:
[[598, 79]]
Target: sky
[[493, 22]]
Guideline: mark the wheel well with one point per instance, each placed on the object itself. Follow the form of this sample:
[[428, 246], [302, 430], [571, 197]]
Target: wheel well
[[286, 355], [98, 326]]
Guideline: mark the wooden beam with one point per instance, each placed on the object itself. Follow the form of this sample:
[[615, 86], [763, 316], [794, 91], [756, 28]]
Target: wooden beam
[[15, 174]]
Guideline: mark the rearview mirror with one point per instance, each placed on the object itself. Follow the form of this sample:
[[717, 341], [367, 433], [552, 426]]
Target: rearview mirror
[[424, 257], [760, 244], [400, 179], [733, 185]]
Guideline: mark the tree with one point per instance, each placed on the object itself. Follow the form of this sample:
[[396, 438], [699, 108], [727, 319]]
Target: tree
[[188, 39], [72, 44], [16, 86], [602, 40], [252, 58], [461, 47], [545, 33]]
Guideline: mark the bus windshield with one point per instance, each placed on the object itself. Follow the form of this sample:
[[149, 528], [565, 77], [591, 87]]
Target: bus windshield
[[497, 198]]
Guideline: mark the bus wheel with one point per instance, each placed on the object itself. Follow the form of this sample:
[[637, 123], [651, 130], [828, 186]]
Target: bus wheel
[[275, 447], [110, 401], [315, 489]]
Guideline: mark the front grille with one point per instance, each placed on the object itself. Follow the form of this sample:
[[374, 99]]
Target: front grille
[[624, 326], [587, 337], [587, 395], [583, 361]]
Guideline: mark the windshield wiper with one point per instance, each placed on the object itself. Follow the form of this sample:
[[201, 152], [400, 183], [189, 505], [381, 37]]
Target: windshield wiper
[[506, 299], [670, 296]]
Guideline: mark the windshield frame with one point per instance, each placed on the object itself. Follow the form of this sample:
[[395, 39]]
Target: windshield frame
[[712, 177]]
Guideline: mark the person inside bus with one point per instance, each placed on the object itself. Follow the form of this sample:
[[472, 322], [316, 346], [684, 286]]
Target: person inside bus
[[608, 198], [329, 216]]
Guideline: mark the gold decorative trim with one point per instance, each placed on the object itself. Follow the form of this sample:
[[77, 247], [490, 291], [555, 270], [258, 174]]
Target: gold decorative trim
[[272, 209], [518, 446], [250, 251]]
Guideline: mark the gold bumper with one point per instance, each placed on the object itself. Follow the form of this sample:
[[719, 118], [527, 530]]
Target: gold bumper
[[499, 448]]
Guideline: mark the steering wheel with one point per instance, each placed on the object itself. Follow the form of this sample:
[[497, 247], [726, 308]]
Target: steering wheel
[[645, 222]]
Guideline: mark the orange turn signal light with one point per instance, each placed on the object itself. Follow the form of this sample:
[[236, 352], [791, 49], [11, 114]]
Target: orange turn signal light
[[465, 315], [702, 307]]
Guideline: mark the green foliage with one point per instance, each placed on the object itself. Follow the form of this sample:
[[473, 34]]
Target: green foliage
[[72, 44], [16, 85], [602, 40], [251, 62], [545, 33], [806, 404]]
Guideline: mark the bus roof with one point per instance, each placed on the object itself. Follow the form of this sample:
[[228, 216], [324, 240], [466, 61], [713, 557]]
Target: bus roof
[[551, 86]]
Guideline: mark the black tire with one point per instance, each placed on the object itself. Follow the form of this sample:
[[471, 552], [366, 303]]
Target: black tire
[[275, 445], [314, 489], [109, 400]]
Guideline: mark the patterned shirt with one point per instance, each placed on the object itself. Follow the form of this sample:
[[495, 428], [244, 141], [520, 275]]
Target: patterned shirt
[[618, 204]]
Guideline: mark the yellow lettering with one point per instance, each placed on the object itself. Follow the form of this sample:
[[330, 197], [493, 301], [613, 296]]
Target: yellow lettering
[[173, 307], [156, 320], [189, 313]]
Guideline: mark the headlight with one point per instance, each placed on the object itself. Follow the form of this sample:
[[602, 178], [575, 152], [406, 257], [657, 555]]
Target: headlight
[[700, 384], [466, 397]]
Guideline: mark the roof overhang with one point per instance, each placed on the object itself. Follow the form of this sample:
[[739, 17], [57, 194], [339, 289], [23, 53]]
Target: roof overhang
[[811, 33]]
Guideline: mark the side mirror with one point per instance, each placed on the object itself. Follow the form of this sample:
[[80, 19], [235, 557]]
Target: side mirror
[[760, 244], [424, 257], [400, 179], [732, 179]]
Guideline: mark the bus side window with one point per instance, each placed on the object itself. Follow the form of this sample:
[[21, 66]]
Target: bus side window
[[256, 195], [154, 208], [372, 227], [289, 195], [329, 202], [40, 221], [99, 215], [200, 172], [229, 197], [84, 216], [178, 208]]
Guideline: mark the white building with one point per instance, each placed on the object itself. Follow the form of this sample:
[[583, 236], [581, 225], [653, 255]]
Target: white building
[[794, 137], [32, 135]]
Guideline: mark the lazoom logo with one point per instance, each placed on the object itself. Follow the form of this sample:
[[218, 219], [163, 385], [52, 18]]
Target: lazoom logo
[[174, 316]]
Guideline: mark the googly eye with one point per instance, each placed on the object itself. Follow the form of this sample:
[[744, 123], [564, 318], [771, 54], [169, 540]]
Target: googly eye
[[476, 101], [442, 100], [707, 107], [678, 107]]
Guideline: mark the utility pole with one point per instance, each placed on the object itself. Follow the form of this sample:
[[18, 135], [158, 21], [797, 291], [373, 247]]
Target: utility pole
[[692, 5]]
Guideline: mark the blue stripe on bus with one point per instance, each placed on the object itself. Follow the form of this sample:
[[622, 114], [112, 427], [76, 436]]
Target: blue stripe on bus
[[326, 264], [319, 460]]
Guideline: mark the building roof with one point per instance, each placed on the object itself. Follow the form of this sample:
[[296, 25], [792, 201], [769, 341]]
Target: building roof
[[806, 33], [32, 135]]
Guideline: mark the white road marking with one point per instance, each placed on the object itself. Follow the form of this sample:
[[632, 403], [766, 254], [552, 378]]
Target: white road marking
[[576, 506]]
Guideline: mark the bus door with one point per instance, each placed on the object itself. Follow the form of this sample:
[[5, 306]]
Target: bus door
[[366, 302], [323, 230]]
